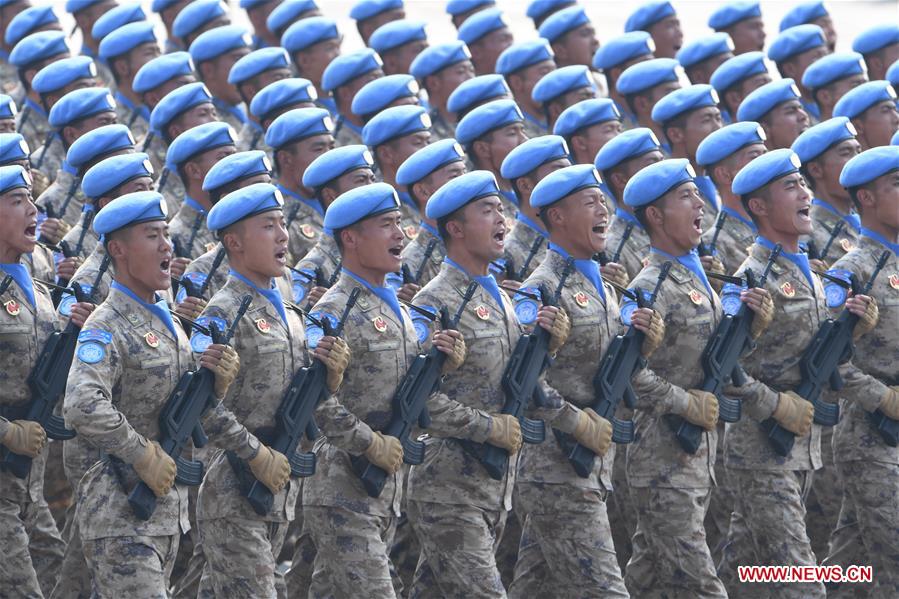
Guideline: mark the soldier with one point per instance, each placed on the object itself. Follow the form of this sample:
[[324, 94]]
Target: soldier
[[196, 18], [86, 13], [830, 77], [814, 12], [441, 69], [477, 91], [701, 57], [285, 14], [777, 107], [563, 88], [215, 52], [737, 78], [659, 19], [258, 12], [8, 112], [114, 397], [539, 10], [372, 14], [645, 83], [250, 75], [21, 20], [793, 51], [398, 43], [277, 98], [768, 522], [872, 109], [880, 47], [571, 35], [460, 10], [385, 92], [343, 77], [313, 43], [523, 65], [742, 21], [616, 56], [487, 34], [587, 126], [168, 11]]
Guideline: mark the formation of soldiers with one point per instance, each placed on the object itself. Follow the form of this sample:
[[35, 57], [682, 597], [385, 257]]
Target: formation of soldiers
[[263, 239]]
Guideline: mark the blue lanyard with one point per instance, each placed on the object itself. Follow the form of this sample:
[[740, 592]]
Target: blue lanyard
[[273, 295], [35, 107], [487, 282], [160, 309], [141, 110], [737, 216], [510, 195], [852, 220], [343, 122], [525, 219], [589, 268], [800, 259], [386, 293], [313, 204], [407, 199], [22, 278], [691, 262], [894, 247]]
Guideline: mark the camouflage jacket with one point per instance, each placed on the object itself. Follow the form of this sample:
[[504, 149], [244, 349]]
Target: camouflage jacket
[[90, 240], [440, 128], [414, 254], [325, 256], [136, 118], [32, 123], [736, 236], [250, 136], [41, 263], [173, 190], [198, 270], [520, 242], [188, 230], [636, 248], [304, 224], [346, 133], [48, 159], [825, 219], [64, 192]]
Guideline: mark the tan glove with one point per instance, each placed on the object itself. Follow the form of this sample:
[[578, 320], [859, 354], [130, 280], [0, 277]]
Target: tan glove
[[618, 276], [762, 318], [505, 432], [794, 413], [225, 369], [702, 409], [559, 333], [654, 336], [271, 468], [337, 361], [819, 265], [889, 403], [25, 437], [593, 432], [455, 359], [867, 322], [157, 469], [385, 452]]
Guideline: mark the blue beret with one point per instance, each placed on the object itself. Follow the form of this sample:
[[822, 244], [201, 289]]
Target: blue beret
[[796, 40], [360, 203], [625, 146], [538, 9], [584, 114], [196, 14], [298, 124], [736, 69], [178, 101], [366, 9], [764, 169], [522, 55], [8, 108], [562, 183], [561, 81], [347, 67], [115, 18], [251, 4], [481, 23], [486, 118], [651, 183], [762, 100], [197, 140], [727, 141], [458, 7], [435, 58], [61, 73], [528, 157], [396, 33], [160, 5], [833, 67], [27, 21], [394, 122], [861, 98], [648, 15], [893, 74], [126, 38], [704, 48], [13, 177], [876, 38], [280, 94], [803, 13], [307, 32], [13, 147], [869, 165], [732, 13], [336, 163], [130, 209], [684, 100], [647, 74], [561, 22], [38, 46], [215, 42], [429, 159], [75, 6], [236, 167], [286, 13], [816, 140], [476, 90], [256, 62], [162, 69], [460, 191], [112, 172], [377, 95], [243, 203], [623, 48], [100, 141], [80, 104]]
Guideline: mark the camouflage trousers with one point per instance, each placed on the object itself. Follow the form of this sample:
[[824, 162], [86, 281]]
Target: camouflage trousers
[[671, 555], [30, 549], [458, 546], [622, 515], [867, 532], [823, 503], [566, 547], [721, 505], [767, 528], [74, 575], [133, 567]]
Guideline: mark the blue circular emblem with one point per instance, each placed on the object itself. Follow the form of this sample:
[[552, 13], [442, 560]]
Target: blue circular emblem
[[314, 334], [627, 311], [421, 329], [199, 342], [299, 292], [91, 352], [731, 303], [835, 294], [526, 311], [65, 304]]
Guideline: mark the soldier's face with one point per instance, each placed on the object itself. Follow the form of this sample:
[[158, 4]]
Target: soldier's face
[[484, 228], [668, 37], [207, 160], [407, 145], [486, 50], [701, 123], [831, 164], [309, 149], [7, 125], [879, 123], [202, 113], [505, 140], [596, 136], [452, 76], [681, 216], [378, 242], [886, 208], [401, 58], [744, 156], [144, 253], [573, 97], [839, 88], [585, 222], [18, 224], [784, 123], [264, 243], [830, 33], [447, 173], [790, 206], [312, 61], [578, 46], [534, 73], [135, 185], [748, 35]]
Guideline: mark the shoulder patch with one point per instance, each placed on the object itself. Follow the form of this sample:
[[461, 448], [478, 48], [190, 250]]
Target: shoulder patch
[[422, 323], [98, 335], [394, 279], [834, 293], [314, 333], [68, 300], [730, 297], [91, 352], [299, 283], [199, 341]]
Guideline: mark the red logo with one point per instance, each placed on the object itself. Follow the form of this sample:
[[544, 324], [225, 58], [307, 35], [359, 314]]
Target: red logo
[[581, 299], [307, 230], [482, 312], [263, 325], [151, 339], [12, 307], [894, 281], [695, 297], [380, 324], [788, 289], [411, 232]]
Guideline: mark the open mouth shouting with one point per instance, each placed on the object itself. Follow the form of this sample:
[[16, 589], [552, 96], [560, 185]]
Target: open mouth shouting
[[281, 257], [31, 231], [499, 237], [697, 223], [601, 228]]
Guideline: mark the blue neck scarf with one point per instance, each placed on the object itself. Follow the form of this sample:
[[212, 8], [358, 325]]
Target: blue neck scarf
[[691, 262], [328, 104], [851, 219], [313, 204], [194, 204], [343, 122], [235, 111], [160, 309], [22, 278], [893, 247], [272, 294], [731, 213], [34, 106], [543, 125], [622, 213], [800, 259], [524, 218], [589, 268], [487, 282], [386, 293], [141, 110], [708, 191]]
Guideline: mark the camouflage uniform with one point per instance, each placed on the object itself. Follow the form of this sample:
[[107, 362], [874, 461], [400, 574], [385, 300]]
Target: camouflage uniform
[[566, 548], [90, 240], [199, 268], [636, 249], [670, 487], [868, 467], [50, 162], [457, 510], [825, 219], [250, 136], [32, 123], [115, 392], [65, 191], [414, 253], [188, 230], [346, 133], [534, 127], [304, 223], [440, 128], [136, 118], [520, 242], [351, 531], [736, 236], [235, 116], [9, 76], [323, 255], [30, 546], [41, 263]]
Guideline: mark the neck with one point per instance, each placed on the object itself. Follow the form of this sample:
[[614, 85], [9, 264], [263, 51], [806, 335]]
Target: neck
[[348, 115], [373, 276], [473, 265], [582, 157], [388, 174], [569, 246], [843, 204], [732, 201], [790, 242], [35, 98], [826, 111], [889, 233], [529, 106], [9, 255], [259, 279], [124, 87], [221, 93], [143, 291], [525, 207], [196, 192], [667, 244]]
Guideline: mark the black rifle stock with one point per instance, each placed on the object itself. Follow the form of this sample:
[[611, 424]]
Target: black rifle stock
[[191, 289]]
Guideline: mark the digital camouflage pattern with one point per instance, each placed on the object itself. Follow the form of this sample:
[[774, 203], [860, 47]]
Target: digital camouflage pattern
[[518, 247], [414, 254], [64, 192], [636, 248], [734, 241], [181, 229], [304, 223]]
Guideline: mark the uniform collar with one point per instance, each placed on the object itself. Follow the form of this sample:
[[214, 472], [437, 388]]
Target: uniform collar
[[850, 219], [875, 236], [159, 309]]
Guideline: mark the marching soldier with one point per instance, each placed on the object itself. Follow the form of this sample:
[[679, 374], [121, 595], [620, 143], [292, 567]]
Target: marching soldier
[[571, 35], [279, 97], [562, 89], [313, 43], [659, 19], [643, 84], [477, 91], [487, 34], [215, 52], [830, 77], [523, 65], [587, 126], [703, 55], [250, 75], [737, 78], [872, 108], [441, 69], [742, 21], [793, 51], [385, 92], [617, 55], [342, 78], [777, 108], [398, 43]]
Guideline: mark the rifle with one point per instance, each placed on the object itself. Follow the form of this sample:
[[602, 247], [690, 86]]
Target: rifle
[[69, 195], [47, 380], [49, 213], [7, 281], [883, 424], [813, 252], [410, 403], [408, 277], [612, 384], [720, 361], [191, 289], [179, 421], [295, 416], [709, 250], [603, 259], [321, 281], [831, 346], [70, 252], [528, 361]]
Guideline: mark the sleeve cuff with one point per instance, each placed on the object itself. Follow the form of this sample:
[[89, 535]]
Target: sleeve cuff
[[133, 449], [678, 401]]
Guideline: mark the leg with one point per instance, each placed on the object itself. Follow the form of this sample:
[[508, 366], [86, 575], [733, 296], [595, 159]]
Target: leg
[[46, 545], [823, 503], [134, 567], [241, 554], [717, 521], [622, 516], [17, 575]]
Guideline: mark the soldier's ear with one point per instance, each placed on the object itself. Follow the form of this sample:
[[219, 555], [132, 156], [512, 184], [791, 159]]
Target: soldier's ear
[[732, 101], [654, 215], [758, 206], [69, 135], [675, 135], [578, 144], [421, 192], [815, 171], [455, 229], [721, 174], [481, 151]]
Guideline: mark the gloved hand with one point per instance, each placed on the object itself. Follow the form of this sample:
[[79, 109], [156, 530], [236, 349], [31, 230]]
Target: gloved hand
[[868, 319], [271, 468], [614, 273], [156, 469], [452, 343], [889, 403], [593, 432], [25, 437], [225, 363], [334, 353], [702, 409], [505, 432], [713, 264], [794, 413], [653, 335], [763, 306], [554, 320], [385, 452]]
